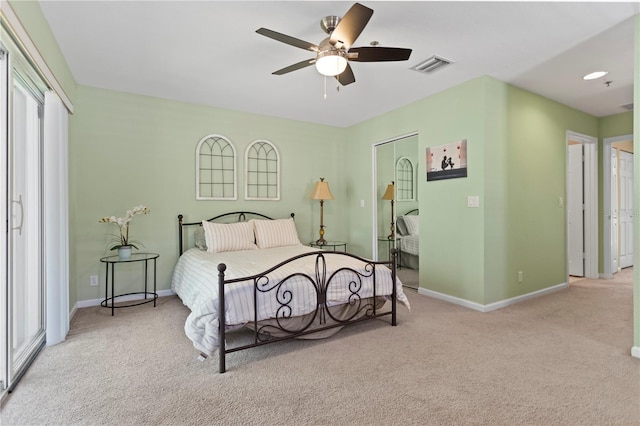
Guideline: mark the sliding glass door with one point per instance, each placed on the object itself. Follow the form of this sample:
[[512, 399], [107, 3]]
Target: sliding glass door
[[23, 319], [25, 240]]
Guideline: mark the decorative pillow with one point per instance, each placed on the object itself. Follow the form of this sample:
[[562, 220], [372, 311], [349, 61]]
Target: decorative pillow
[[222, 237], [275, 233], [199, 238], [412, 221], [401, 227]]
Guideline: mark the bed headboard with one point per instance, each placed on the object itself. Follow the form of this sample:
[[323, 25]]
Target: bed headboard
[[414, 211], [221, 218]]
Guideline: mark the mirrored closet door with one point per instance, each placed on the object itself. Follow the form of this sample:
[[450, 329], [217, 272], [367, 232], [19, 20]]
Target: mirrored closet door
[[397, 163]]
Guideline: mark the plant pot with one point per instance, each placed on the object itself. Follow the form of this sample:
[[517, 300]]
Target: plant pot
[[124, 252]]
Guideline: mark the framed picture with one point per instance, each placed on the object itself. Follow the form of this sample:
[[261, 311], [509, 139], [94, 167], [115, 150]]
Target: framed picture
[[447, 161]]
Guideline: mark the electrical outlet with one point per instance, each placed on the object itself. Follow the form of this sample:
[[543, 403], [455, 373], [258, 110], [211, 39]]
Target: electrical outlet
[[93, 281], [520, 276]]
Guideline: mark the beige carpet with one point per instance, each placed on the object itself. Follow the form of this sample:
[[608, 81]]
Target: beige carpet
[[561, 359]]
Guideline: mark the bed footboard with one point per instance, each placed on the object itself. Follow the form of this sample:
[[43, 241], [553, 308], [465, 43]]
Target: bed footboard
[[362, 301]]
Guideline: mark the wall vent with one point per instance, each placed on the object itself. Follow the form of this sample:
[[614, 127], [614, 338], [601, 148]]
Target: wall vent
[[431, 64], [628, 107]]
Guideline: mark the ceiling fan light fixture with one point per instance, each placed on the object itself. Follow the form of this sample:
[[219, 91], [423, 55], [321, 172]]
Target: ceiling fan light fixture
[[594, 75], [331, 62]]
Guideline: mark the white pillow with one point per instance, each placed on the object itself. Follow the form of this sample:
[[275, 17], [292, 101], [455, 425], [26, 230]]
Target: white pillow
[[222, 237], [412, 223], [275, 233]]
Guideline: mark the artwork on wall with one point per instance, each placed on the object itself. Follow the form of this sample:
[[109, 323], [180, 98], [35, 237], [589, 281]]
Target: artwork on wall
[[447, 161], [216, 169]]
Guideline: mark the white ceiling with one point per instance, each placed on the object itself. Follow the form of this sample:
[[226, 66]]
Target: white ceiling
[[207, 52]]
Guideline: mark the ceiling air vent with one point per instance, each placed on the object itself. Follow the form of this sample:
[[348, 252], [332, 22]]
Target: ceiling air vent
[[431, 64], [628, 107]]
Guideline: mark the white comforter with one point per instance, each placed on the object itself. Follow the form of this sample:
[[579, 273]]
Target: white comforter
[[195, 280]]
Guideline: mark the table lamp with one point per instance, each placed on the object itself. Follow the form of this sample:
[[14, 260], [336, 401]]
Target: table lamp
[[321, 192], [390, 194]]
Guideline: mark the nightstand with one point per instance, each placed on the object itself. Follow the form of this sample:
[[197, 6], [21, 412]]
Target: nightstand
[[331, 245], [392, 243], [135, 257]]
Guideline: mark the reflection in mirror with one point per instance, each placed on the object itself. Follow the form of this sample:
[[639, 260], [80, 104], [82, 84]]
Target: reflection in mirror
[[405, 179], [384, 177], [397, 160]]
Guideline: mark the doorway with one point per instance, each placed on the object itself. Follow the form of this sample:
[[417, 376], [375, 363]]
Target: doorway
[[575, 211], [581, 205], [617, 203]]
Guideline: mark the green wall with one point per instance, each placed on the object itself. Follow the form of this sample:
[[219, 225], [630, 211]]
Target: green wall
[[516, 164], [450, 231], [127, 150], [536, 180]]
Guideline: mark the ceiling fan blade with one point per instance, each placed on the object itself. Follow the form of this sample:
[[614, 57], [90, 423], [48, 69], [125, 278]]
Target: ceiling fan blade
[[346, 77], [296, 42], [378, 54], [350, 26], [294, 67]]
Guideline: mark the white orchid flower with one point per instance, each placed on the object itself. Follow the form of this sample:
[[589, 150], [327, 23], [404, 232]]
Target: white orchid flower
[[123, 225]]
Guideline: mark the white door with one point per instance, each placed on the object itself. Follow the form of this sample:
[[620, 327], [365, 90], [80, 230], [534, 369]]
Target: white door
[[575, 211], [614, 210], [626, 209]]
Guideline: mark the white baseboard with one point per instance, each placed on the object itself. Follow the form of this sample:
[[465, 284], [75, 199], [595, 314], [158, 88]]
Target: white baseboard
[[73, 312], [635, 351], [491, 306], [97, 302]]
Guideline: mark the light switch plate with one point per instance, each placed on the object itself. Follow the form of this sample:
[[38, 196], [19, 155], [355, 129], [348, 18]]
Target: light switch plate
[[473, 201]]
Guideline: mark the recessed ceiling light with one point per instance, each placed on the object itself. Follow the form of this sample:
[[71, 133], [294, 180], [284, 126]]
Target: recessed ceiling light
[[594, 75]]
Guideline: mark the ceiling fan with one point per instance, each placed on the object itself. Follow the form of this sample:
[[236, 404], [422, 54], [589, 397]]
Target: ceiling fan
[[334, 52]]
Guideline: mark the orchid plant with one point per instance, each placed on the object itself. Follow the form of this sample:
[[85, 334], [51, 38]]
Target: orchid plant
[[123, 226]]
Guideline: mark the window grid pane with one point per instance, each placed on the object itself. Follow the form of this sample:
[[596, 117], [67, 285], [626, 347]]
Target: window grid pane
[[216, 168], [262, 171]]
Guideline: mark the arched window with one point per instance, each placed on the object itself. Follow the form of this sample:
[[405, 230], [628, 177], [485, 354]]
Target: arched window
[[262, 168], [215, 169], [404, 180]]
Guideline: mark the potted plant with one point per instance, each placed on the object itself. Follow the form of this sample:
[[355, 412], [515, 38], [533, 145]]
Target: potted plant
[[121, 241]]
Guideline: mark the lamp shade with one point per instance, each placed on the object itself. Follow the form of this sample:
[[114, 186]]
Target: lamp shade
[[390, 193], [321, 191]]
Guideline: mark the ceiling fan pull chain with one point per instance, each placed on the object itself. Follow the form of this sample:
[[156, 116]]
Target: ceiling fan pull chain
[[325, 87]]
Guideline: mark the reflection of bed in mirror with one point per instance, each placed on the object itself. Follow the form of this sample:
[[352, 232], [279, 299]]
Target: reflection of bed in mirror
[[408, 239]]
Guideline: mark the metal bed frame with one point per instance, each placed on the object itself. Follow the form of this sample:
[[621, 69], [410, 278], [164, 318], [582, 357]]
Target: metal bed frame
[[263, 333]]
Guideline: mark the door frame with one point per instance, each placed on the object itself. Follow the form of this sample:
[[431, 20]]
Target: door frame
[[606, 200], [590, 145]]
